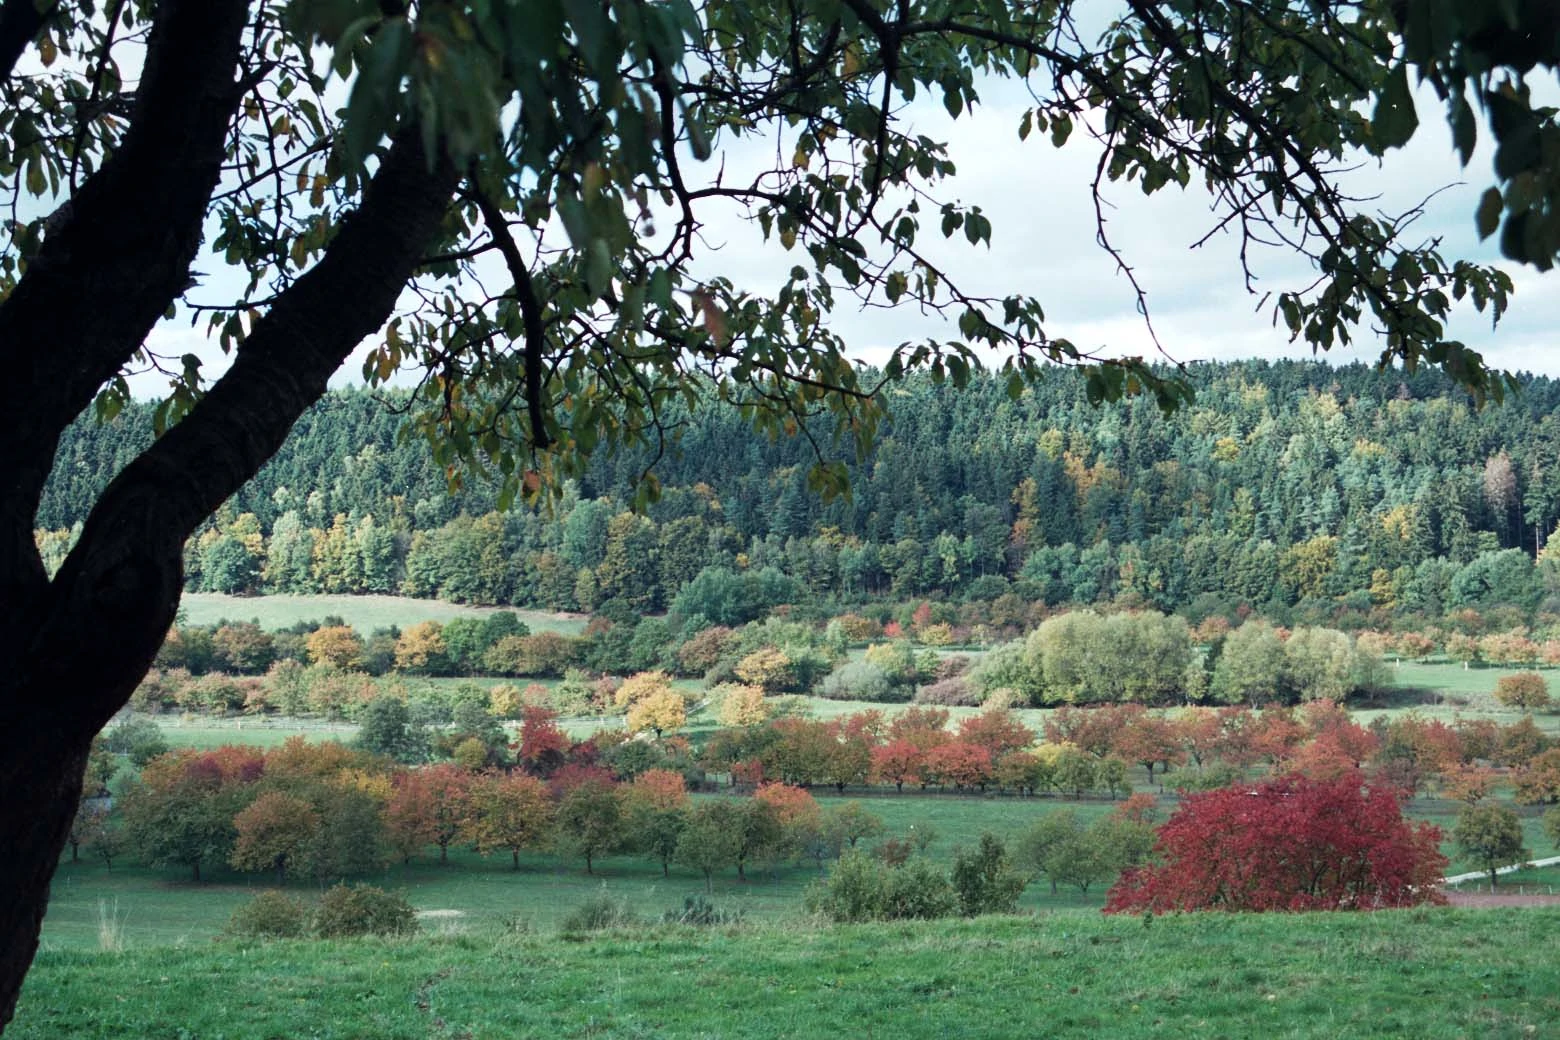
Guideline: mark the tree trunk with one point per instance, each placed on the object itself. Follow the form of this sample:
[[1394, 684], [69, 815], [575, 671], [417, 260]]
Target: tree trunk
[[76, 647], [35, 814]]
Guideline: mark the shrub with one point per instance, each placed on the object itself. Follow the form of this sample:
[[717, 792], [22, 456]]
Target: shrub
[[956, 692], [697, 910], [1526, 690], [270, 915], [348, 910], [985, 879], [857, 681], [863, 889], [599, 913], [1289, 843]]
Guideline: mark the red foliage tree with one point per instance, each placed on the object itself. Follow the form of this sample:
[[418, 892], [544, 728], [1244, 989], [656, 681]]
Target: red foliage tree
[[998, 731], [896, 762], [959, 763], [544, 746], [428, 806], [1289, 843], [1148, 740]]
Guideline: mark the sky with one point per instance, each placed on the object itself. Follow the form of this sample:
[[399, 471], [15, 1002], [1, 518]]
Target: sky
[[1043, 244]]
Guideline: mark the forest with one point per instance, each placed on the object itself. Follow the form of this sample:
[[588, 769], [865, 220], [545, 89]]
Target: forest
[[1350, 495]]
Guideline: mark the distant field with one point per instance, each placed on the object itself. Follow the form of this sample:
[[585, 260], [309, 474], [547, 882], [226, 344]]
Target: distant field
[[364, 613], [268, 731], [1428, 974]]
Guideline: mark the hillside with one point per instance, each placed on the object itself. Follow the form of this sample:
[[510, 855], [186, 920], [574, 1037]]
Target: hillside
[[1285, 484]]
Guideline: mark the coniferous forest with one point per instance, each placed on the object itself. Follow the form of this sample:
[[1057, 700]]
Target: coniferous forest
[[1294, 489]]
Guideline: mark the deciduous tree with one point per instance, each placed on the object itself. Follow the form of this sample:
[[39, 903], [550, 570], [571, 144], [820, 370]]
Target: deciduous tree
[[1288, 843], [1490, 835]]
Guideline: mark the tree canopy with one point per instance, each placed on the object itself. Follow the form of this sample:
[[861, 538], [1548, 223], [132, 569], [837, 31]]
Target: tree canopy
[[366, 167]]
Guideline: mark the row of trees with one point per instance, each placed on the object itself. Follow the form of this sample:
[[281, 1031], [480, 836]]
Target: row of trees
[[324, 811]]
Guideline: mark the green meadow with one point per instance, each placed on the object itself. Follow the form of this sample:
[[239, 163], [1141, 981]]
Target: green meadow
[[364, 613], [1426, 974]]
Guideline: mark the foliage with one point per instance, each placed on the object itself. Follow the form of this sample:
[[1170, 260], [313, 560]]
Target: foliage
[[986, 880], [1287, 843], [271, 915], [1527, 690], [349, 910], [1490, 835]]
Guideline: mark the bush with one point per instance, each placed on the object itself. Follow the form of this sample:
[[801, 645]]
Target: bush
[[1526, 690], [270, 915], [348, 910], [599, 913], [955, 692], [697, 910], [986, 881], [857, 681], [864, 889], [1287, 843]]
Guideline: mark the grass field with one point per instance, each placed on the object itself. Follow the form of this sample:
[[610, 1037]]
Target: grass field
[[1427, 974], [163, 906], [364, 613]]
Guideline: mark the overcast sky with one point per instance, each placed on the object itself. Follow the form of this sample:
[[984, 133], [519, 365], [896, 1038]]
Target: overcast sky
[[1038, 200]]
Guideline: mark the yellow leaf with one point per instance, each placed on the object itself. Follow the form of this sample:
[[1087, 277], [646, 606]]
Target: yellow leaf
[[47, 51], [801, 159], [788, 237]]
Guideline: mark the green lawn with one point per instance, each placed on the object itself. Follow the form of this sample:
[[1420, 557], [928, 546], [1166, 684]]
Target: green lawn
[[364, 613], [1426, 974]]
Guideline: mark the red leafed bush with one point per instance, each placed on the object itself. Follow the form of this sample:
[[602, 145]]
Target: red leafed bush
[[1288, 843]]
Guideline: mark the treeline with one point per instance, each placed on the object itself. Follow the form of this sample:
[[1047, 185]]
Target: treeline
[[326, 810], [1286, 486]]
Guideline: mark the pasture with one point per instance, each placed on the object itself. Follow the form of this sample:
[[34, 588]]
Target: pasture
[[1428, 973], [154, 907], [364, 613]]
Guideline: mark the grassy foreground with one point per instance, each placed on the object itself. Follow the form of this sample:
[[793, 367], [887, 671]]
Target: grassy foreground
[[1425, 973]]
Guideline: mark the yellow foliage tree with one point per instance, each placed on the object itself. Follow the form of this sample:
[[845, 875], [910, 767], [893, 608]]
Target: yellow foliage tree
[[661, 711], [740, 704], [418, 645], [335, 645], [767, 667], [640, 686]]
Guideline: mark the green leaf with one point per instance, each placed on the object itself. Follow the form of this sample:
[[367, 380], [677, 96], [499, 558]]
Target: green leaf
[[1491, 206], [1394, 120]]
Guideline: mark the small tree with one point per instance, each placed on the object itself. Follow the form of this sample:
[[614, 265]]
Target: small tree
[[1289, 843], [272, 832], [1491, 835], [507, 812], [711, 838], [985, 879], [590, 820], [659, 712], [1525, 690]]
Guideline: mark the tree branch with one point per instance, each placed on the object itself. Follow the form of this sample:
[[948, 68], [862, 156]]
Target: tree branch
[[530, 311], [126, 571], [20, 21]]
